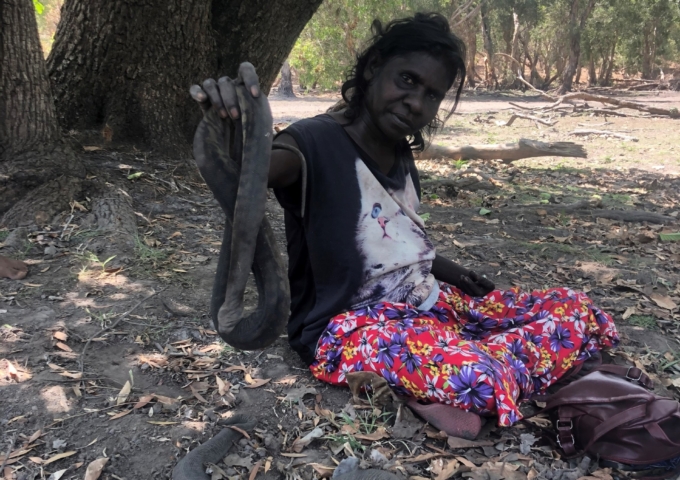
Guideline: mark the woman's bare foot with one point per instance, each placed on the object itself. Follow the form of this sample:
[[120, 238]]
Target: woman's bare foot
[[14, 269]]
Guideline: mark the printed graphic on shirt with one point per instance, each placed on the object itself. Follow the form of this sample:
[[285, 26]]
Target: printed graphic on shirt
[[396, 253]]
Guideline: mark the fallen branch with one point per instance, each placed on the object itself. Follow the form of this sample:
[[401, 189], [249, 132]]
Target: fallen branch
[[113, 325], [515, 116], [606, 133], [633, 216], [568, 98], [509, 152], [643, 86], [669, 112], [612, 113]]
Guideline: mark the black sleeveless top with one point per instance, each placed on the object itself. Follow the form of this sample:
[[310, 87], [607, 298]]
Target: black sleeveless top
[[360, 240]]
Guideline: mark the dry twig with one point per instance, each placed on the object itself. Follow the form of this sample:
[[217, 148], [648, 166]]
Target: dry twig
[[113, 325]]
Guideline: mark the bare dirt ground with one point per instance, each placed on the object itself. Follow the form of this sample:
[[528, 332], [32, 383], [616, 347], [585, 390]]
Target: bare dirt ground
[[155, 385]]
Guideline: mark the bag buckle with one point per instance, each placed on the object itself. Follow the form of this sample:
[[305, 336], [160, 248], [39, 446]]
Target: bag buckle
[[631, 378], [559, 442], [571, 424]]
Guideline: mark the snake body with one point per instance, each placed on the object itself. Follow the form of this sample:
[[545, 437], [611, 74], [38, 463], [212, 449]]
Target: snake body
[[233, 159], [192, 466]]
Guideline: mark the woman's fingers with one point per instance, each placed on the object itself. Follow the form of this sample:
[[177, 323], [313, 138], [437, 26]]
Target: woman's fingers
[[222, 94], [247, 74], [210, 87], [200, 96], [229, 97]]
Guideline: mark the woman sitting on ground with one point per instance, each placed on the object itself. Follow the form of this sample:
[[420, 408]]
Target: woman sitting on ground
[[368, 290]]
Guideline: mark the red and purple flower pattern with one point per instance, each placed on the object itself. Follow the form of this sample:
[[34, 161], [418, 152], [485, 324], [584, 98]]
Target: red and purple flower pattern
[[480, 354]]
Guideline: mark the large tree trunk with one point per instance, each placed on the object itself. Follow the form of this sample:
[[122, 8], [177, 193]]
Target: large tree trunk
[[577, 21], [27, 118], [38, 174], [129, 64]]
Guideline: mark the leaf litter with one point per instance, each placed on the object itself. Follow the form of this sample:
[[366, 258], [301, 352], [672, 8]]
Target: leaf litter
[[626, 267]]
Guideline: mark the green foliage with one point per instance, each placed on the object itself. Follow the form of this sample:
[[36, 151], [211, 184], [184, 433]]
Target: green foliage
[[39, 7], [644, 321]]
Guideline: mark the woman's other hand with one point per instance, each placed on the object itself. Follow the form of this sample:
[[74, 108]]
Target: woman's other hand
[[221, 94], [475, 285]]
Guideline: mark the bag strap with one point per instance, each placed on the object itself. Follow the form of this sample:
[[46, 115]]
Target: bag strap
[[657, 432], [633, 374], [565, 426]]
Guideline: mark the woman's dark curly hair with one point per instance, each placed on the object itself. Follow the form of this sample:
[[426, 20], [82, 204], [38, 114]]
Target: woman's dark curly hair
[[424, 32]]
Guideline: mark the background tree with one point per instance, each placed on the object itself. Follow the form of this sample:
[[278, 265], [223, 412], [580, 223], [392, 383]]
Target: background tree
[[579, 13]]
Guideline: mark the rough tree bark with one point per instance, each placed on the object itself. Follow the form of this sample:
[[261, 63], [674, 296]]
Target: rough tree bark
[[577, 21], [38, 174], [129, 64], [286, 85]]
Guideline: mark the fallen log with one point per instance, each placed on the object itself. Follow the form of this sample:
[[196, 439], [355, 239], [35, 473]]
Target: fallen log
[[509, 152], [606, 133]]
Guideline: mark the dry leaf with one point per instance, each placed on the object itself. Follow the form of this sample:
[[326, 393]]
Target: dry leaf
[[59, 456], [94, 469], [76, 391], [297, 394], [253, 472], [91, 148], [36, 460], [379, 434], [60, 336], [120, 414], [258, 382], [56, 475], [176, 234], [449, 470], [153, 422], [143, 401], [124, 392], [34, 437], [75, 376], [194, 391], [629, 311], [322, 471], [11, 369], [63, 346], [663, 301], [301, 443], [222, 386]]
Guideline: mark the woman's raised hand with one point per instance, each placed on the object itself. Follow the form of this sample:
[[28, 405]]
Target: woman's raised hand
[[221, 94]]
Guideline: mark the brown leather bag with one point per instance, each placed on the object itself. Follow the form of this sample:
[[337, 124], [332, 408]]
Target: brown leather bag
[[612, 414]]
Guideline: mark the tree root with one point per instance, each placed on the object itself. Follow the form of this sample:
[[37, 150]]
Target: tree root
[[41, 204]]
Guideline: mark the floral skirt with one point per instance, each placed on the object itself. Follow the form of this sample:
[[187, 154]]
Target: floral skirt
[[485, 354]]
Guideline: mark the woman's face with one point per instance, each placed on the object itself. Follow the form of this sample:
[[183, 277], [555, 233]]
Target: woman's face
[[404, 94]]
